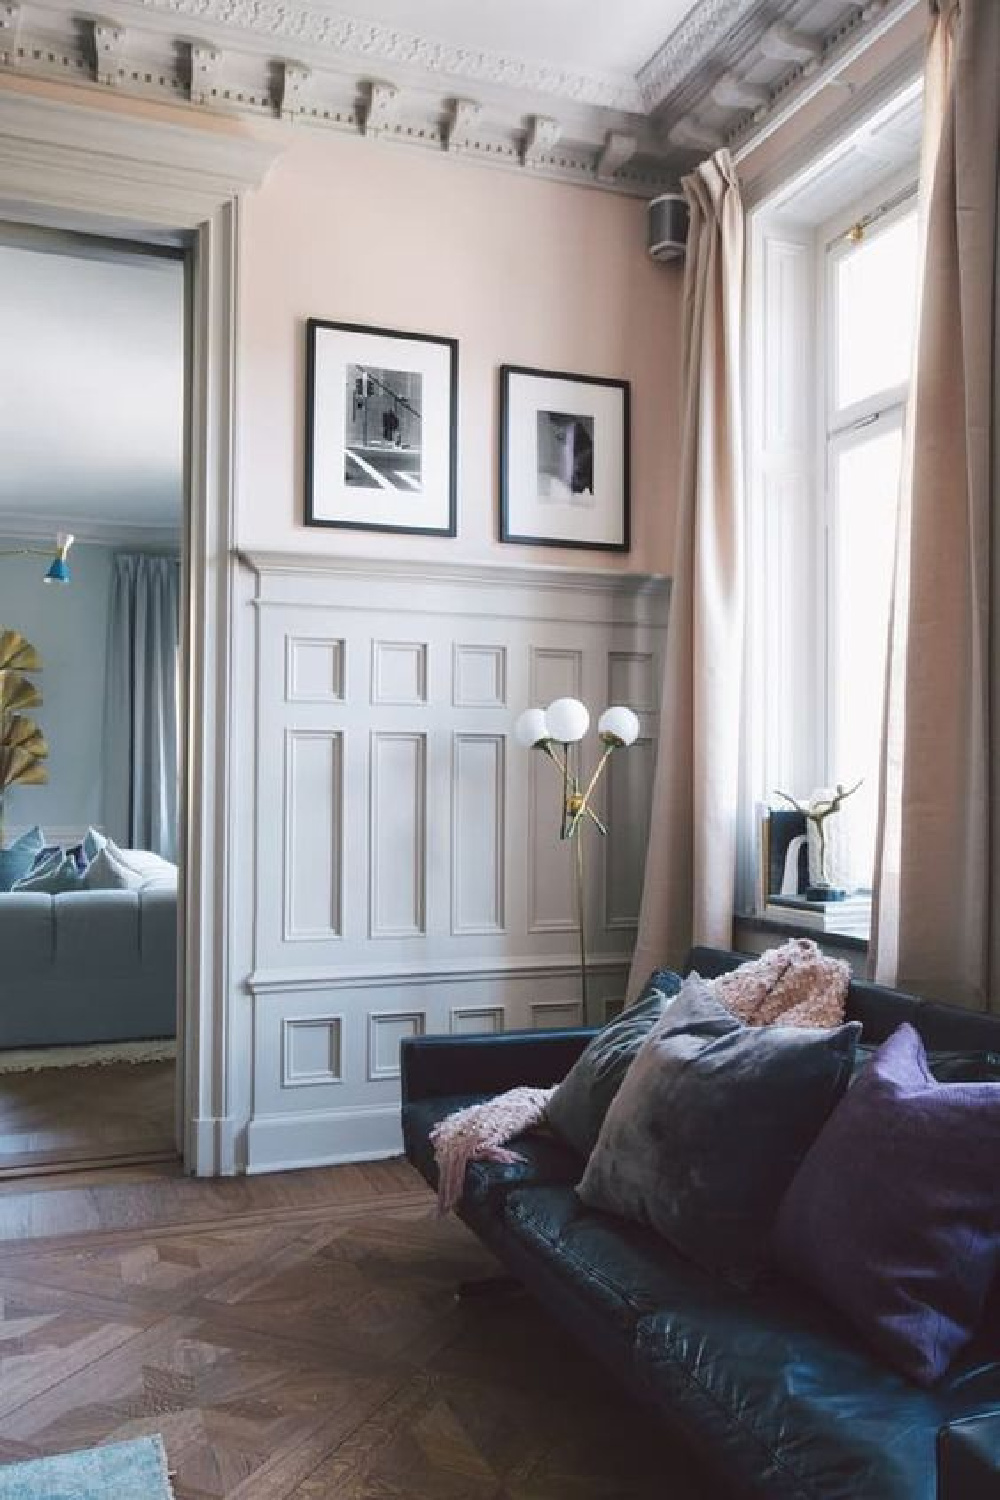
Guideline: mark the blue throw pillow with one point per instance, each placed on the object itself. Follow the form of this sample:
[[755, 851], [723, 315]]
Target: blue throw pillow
[[577, 1109], [16, 860], [710, 1125], [93, 842], [53, 879]]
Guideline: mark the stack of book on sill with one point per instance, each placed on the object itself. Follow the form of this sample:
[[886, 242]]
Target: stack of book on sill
[[850, 917]]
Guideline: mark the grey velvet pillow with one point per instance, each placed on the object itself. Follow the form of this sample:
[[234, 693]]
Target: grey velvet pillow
[[577, 1108], [710, 1125]]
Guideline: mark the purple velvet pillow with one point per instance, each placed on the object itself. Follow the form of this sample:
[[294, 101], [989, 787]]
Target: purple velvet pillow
[[894, 1215]]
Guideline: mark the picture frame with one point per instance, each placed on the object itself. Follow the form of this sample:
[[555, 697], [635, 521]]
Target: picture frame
[[381, 448], [565, 459]]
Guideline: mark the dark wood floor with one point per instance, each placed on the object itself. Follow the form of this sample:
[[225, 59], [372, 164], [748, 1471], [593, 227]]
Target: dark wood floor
[[72, 1117], [296, 1337]]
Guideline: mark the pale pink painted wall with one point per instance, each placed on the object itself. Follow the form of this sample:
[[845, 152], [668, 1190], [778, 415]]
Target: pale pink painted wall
[[519, 270]]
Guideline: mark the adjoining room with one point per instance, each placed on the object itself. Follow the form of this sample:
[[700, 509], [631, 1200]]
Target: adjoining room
[[91, 534]]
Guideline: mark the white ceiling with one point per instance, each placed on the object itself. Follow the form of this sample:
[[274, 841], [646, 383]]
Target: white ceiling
[[91, 392], [591, 34]]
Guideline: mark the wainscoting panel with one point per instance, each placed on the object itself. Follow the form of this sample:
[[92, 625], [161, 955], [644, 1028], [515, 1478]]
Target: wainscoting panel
[[407, 874]]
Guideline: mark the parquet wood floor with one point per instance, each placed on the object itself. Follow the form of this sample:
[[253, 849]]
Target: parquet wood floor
[[69, 1117], [297, 1338]]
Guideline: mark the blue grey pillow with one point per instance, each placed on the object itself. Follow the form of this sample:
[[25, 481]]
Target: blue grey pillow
[[93, 842], [710, 1125], [52, 879], [577, 1109], [16, 860]]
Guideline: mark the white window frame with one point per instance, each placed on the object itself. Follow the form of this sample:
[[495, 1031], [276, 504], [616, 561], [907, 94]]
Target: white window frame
[[841, 427]]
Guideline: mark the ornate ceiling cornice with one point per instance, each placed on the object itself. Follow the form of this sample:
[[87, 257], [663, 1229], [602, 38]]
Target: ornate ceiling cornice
[[697, 36], [305, 64], [308, 26]]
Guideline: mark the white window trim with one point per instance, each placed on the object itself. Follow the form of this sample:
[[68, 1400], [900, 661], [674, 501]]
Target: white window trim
[[839, 427]]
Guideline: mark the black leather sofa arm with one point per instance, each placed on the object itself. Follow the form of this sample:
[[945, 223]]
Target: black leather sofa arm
[[439, 1066], [969, 1458]]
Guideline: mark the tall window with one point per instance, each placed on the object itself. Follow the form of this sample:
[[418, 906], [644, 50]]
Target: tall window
[[870, 290]]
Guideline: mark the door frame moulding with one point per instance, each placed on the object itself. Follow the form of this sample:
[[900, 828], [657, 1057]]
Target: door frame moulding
[[82, 166]]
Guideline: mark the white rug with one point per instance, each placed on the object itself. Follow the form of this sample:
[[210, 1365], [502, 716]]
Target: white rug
[[96, 1055]]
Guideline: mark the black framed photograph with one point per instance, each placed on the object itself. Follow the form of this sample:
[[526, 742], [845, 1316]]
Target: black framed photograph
[[381, 429], [564, 459]]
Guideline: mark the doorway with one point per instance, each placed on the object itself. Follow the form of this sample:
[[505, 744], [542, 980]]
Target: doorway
[[93, 540]]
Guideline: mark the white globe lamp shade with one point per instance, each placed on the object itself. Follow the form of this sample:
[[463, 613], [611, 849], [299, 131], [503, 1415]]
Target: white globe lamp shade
[[618, 726], [531, 728], [568, 720]]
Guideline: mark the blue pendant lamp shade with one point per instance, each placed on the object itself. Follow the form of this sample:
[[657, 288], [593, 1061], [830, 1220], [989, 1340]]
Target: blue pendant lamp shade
[[58, 571]]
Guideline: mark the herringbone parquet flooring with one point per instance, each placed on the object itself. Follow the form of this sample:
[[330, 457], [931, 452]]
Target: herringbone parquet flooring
[[313, 1352]]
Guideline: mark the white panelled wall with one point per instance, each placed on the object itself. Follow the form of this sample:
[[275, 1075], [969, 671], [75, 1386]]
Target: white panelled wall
[[405, 875]]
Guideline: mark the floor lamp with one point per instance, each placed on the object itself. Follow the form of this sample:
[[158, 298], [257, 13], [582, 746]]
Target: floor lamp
[[558, 732]]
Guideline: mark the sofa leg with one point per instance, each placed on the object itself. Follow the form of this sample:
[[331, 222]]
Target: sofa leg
[[485, 1287]]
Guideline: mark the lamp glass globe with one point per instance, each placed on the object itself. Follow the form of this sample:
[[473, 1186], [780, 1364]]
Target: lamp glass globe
[[618, 726], [531, 728], [568, 720]]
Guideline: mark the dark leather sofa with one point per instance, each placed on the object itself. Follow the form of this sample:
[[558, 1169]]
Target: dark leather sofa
[[778, 1397]]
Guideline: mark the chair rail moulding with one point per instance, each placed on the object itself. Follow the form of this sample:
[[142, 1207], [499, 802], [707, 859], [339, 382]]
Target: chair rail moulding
[[495, 588], [400, 870], [175, 173]]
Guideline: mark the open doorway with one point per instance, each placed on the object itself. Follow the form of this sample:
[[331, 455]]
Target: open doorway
[[92, 427]]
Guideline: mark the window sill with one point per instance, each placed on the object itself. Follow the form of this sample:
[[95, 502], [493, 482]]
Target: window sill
[[751, 933]]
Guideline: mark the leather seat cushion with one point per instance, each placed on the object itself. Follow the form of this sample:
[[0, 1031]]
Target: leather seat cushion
[[768, 1378]]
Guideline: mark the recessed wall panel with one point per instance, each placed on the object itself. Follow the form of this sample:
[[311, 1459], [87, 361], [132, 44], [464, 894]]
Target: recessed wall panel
[[313, 825], [386, 1030], [311, 1051], [471, 1020], [399, 672], [629, 801], [556, 672], [314, 669], [398, 904], [478, 802], [549, 1014], [630, 680], [479, 676]]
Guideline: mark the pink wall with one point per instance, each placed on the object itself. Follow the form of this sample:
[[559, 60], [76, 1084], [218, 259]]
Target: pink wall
[[519, 270]]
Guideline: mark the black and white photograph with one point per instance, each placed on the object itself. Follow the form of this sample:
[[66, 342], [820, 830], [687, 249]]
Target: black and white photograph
[[381, 429], [564, 459]]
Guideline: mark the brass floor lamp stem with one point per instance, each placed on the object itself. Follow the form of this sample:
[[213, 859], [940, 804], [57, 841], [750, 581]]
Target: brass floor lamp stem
[[581, 920]]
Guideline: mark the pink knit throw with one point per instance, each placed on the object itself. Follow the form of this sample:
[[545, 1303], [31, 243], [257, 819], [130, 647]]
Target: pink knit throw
[[794, 985], [480, 1133]]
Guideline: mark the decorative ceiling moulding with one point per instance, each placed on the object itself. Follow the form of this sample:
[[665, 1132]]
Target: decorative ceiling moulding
[[695, 42], [314, 27], [731, 70], [134, 61]]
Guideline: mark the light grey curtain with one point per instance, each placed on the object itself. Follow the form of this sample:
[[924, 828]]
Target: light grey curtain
[[937, 878], [140, 720], [691, 860]]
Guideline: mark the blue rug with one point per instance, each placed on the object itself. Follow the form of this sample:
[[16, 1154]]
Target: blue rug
[[121, 1471]]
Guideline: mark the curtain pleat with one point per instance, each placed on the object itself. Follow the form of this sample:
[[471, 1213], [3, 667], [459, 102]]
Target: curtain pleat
[[140, 728], [934, 930]]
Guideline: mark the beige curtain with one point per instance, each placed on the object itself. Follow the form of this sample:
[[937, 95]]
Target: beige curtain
[[939, 840], [688, 891]]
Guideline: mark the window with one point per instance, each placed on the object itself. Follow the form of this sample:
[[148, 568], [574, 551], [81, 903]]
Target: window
[[870, 285], [832, 304]]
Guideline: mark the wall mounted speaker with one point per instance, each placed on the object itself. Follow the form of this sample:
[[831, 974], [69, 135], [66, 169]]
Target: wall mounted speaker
[[667, 227]]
